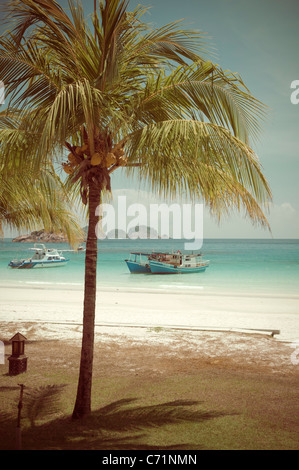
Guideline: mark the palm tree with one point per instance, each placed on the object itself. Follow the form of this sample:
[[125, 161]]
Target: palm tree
[[124, 95], [32, 197]]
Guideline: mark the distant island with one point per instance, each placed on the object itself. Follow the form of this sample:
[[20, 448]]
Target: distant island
[[41, 236], [138, 232]]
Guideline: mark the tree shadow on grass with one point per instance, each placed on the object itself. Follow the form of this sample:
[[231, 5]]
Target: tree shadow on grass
[[118, 417], [121, 425]]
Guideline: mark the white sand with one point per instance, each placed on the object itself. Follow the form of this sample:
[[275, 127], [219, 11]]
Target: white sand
[[116, 308], [218, 328]]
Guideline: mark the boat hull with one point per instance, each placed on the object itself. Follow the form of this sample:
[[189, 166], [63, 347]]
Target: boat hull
[[135, 267], [164, 268], [39, 264]]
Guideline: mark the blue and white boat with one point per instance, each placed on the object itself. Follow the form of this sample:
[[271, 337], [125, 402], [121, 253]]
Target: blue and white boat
[[138, 263], [179, 264], [42, 258], [166, 263]]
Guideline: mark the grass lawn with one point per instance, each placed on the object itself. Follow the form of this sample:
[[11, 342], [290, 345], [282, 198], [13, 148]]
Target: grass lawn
[[145, 397]]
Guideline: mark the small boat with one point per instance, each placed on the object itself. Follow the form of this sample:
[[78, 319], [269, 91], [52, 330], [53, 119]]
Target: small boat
[[42, 258], [180, 264], [138, 263], [166, 263], [80, 248]]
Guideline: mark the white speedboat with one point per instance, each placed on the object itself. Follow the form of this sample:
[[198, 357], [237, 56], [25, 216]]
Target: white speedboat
[[42, 258]]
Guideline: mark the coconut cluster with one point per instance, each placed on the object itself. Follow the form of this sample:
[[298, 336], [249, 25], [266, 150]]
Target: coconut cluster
[[82, 156]]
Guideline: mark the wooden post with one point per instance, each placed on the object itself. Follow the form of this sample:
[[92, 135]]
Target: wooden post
[[18, 430]]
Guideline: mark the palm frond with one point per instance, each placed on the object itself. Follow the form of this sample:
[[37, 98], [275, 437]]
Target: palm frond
[[29, 200], [201, 160], [42, 402], [203, 90]]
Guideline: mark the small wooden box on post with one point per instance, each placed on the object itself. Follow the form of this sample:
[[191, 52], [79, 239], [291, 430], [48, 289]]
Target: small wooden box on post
[[17, 360]]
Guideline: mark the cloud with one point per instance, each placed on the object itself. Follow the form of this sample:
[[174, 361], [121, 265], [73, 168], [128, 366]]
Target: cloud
[[283, 219]]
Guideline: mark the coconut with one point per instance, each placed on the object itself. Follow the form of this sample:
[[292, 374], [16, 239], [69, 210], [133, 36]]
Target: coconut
[[122, 161], [120, 152], [110, 159], [72, 159], [67, 168], [84, 148], [78, 151], [96, 159]]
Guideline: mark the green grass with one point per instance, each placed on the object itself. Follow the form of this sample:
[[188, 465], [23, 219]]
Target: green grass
[[211, 408]]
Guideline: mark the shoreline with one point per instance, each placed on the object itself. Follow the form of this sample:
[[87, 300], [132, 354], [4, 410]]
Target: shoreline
[[178, 290]]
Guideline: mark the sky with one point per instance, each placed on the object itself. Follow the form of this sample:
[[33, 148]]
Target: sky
[[258, 39]]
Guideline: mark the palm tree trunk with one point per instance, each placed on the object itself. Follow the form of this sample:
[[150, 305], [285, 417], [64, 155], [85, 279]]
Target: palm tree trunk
[[83, 399]]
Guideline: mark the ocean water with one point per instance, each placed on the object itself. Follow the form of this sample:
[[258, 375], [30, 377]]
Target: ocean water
[[237, 266]]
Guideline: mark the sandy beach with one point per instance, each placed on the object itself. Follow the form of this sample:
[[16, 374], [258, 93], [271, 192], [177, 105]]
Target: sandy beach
[[131, 308], [214, 326]]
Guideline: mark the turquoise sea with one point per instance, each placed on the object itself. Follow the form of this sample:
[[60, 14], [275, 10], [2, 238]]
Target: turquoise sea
[[245, 266]]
